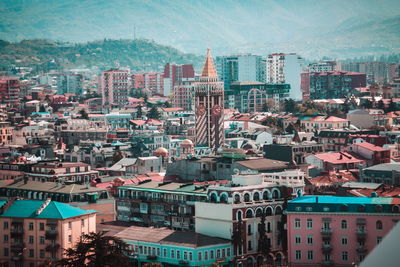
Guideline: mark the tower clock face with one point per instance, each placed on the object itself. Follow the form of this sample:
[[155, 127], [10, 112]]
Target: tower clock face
[[201, 110], [216, 110]]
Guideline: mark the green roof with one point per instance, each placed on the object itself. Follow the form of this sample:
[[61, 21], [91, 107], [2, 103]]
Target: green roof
[[54, 210]]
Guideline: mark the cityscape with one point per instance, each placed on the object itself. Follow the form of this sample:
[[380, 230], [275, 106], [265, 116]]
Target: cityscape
[[199, 133]]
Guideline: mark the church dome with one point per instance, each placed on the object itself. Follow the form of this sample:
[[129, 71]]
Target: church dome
[[187, 142], [161, 151]]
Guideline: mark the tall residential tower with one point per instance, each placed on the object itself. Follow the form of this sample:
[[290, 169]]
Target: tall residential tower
[[209, 105]]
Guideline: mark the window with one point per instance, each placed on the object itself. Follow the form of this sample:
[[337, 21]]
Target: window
[[206, 255], [212, 254], [190, 256], [378, 239], [6, 252], [297, 239], [199, 256], [379, 225], [310, 239], [5, 225], [249, 246], [69, 225], [228, 252], [83, 222], [344, 224], [298, 254], [185, 255], [42, 253], [178, 254], [31, 253], [164, 252], [30, 226], [223, 253], [41, 227], [218, 254], [297, 223], [31, 239], [345, 256], [249, 229], [327, 225], [310, 255], [309, 223], [69, 238], [172, 254], [344, 241], [5, 239]]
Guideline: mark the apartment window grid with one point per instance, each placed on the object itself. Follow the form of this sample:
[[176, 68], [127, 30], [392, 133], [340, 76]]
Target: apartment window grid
[[297, 224], [345, 256], [344, 224], [298, 254], [309, 223], [310, 255], [344, 241], [297, 239], [310, 240]]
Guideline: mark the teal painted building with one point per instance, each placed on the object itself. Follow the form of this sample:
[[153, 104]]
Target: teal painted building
[[176, 248]]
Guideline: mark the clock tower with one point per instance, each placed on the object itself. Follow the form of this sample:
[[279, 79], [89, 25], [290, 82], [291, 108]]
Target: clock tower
[[209, 106]]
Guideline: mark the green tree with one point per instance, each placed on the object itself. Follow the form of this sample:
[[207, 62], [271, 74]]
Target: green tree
[[42, 108], [139, 112], [96, 250], [367, 104], [167, 104], [289, 105], [381, 104], [265, 107], [84, 114], [392, 106], [154, 113]]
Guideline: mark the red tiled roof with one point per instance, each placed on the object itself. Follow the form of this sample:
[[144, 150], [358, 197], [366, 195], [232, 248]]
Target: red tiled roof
[[371, 147], [338, 158], [138, 122], [332, 178], [333, 118], [171, 109]]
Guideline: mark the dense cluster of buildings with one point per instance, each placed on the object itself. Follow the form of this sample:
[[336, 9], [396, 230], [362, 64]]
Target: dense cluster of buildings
[[251, 161]]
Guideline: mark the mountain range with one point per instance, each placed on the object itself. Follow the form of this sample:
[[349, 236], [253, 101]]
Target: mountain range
[[339, 28]]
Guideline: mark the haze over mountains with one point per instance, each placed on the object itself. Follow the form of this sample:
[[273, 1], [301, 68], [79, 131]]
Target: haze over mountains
[[339, 28]]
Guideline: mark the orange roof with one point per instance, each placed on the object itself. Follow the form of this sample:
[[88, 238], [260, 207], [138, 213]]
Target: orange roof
[[172, 109], [333, 118], [209, 68], [332, 178]]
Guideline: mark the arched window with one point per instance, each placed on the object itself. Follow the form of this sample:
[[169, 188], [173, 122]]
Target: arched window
[[213, 197], [379, 225], [249, 213], [344, 224], [275, 194], [239, 215], [268, 211], [256, 196], [396, 209], [237, 199], [223, 198], [259, 212], [247, 197], [278, 210], [265, 195]]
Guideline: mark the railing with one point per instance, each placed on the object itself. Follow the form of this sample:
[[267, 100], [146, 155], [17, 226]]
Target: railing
[[17, 258], [16, 232], [361, 234], [152, 257], [51, 234], [52, 247], [326, 232], [361, 249], [327, 263], [326, 247]]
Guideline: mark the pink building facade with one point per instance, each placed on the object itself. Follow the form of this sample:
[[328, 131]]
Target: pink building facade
[[151, 82], [337, 231], [115, 87], [34, 231]]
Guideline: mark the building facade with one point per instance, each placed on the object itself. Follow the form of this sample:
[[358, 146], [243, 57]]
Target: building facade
[[35, 231], [115, 86], [337, 231], [9, 91], [209, 99]]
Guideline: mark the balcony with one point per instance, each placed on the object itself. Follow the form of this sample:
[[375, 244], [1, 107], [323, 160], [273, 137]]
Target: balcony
[[361, 234], [51, 234], [327, 263], [17, 232], [152, 257], [183, 263], [326, 248], [17, 258], [52, 223], [52, 247], [361, 249], [326, 232], [17, 247], [17, 222]]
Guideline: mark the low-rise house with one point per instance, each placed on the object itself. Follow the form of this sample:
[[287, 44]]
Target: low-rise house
[[292, 152], [314, 123], [62, 171], [176, 248], [372, 153], [387, 173], [335, 161]]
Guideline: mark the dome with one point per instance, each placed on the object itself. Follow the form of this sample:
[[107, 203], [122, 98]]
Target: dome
[[161, 151], [187, 142]]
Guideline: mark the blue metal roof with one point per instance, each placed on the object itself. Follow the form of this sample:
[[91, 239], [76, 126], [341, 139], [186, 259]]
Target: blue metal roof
[[341, 200], [54, 210]]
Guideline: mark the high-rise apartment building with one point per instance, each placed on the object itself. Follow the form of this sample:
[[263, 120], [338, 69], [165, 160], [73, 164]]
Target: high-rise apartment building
[[9, 90], [240, 68], [209, 105], [69, 83], [377, 72], [330, 84], [177, 75], [115, 86], [322, 66], [286, 68]]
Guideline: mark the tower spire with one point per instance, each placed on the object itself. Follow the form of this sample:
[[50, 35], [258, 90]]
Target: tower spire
[[209, 68]]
